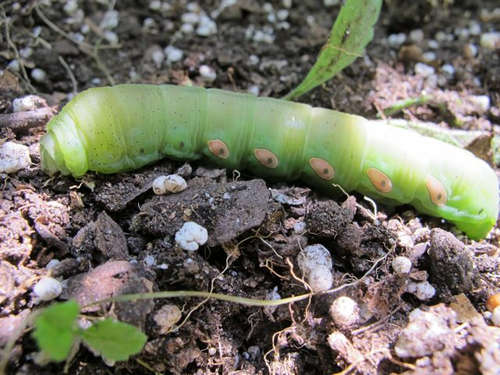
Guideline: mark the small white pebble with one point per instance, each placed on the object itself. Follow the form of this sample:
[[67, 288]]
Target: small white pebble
[[344, 312], [191, 18], [423, 69], [490, 40], [187, 28], [110, 20], [71, 7], [13, 157], [38, 75], [191, 236], [320, 278], [155, 5], [395, 40], [212, 351], [193, 7], [482, 102], [286, 3], [401, 265], [462, 33], [37, 31], [13, 65], [207, 73], [448, 69], [254, 89], [283, 25], [26, 52], [52, 263], [443, 37], [315, 261], [25, 103], [173, 54], [149, 260], [47, 288], [433, 44], [110, 36], [474, 28], [253, 60], [172, 183], [495, 316], [282, 14], [299, 227], [158, 56], [267, 8], [206, 27], [85, 29], [416, 36], [429, 56], [271, 17], [422, 290], [330, 3]]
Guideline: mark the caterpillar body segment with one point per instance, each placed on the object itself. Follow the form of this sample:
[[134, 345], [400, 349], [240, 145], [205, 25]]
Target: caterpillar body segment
[[121, 128]]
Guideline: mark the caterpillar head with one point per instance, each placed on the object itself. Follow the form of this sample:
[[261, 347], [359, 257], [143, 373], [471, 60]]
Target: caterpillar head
[[61, 149]]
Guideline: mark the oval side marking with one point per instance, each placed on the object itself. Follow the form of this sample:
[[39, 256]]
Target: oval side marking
[[322, 168], [379, 180], [266, 158], [218, 148]]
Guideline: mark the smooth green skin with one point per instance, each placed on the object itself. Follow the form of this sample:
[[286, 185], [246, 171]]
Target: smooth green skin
[[121, 128]]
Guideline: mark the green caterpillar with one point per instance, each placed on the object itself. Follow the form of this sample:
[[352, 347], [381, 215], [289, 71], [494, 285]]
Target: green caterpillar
[[121, 128]]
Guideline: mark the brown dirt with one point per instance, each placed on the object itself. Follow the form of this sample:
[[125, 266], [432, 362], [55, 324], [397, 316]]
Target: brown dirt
[[113, 236]]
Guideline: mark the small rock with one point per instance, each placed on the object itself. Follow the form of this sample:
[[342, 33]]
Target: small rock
[[110, 20], [315, 261], [173, 54], [490, 40], [452, 267], [47, 289], [27, 103], [395, 40], [206, 27], [423, 290], [416, 36], [482, 102], [38, 75], [448, 69], [423, 69], [344, 312], [207, 73], [427, 332], [167, 317], [169, 184], [13, 157], [191, 236], [191, 18], [401, 265]]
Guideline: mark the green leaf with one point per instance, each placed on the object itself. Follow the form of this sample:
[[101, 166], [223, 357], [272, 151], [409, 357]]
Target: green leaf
[[350, 34], [114, 340], [55, 329]]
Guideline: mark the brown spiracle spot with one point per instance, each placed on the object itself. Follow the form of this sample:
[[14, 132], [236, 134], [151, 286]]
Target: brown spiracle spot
[[436, 190], [218, 148], [322, 168], [266, 157], [381, 182]]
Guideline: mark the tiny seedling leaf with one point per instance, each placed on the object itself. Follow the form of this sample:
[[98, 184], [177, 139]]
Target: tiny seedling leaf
[[350, 34], [56, 330], [114, 340]]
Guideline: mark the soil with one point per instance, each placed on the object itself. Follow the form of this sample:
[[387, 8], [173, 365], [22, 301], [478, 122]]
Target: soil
[[111, 235]]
